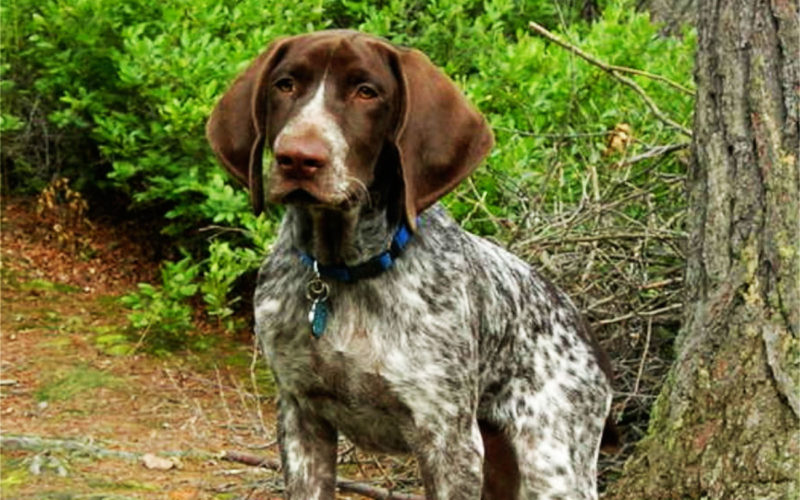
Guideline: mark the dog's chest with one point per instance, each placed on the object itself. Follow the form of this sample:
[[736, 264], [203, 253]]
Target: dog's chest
[[397, 351], [359, 394], [357, 374]]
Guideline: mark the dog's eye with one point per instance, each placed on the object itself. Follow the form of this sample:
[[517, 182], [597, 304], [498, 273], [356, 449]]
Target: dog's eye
[[285, 85], [366, 92]]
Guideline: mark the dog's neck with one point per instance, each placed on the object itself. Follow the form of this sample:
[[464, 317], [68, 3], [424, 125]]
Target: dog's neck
[[353, 236], [335, 237]]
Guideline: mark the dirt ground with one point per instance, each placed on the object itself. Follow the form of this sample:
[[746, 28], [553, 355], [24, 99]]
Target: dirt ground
[[82, 416]]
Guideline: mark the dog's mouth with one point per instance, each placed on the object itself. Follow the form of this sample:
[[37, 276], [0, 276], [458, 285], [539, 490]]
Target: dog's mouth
[[296, 192], [301, 197], [305, 198], [311, 196]]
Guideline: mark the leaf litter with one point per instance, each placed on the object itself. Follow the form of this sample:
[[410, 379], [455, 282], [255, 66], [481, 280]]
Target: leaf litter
[[83, 414]]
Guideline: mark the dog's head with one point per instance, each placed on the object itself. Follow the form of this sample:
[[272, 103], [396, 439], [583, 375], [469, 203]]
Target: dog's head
[[336, 108]]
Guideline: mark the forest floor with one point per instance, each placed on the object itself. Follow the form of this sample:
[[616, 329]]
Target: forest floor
[[83, 414]]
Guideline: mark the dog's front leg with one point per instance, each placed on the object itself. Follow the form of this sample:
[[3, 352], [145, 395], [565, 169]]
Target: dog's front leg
[[308, 452], [451, 461]]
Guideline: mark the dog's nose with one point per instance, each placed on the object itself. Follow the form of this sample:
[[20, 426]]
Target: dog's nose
[[301, 157]]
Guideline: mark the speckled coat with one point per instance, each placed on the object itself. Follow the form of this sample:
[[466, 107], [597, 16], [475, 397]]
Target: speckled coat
[[458, 331], [459, 353]]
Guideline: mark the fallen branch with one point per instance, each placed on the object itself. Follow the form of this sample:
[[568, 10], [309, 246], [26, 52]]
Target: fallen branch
[[615, 71], [87, 447], [344, 485], [557, 240], [660, 283], [655, 152], [248, 459], [34, 443], [635, 314]]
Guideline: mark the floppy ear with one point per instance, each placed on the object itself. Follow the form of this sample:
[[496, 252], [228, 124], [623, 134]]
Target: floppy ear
[[235, 129], [441, 138]]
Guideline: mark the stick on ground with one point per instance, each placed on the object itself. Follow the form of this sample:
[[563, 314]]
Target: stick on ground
[[345, 485]]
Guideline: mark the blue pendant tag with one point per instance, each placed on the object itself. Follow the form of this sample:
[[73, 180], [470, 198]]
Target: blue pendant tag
[[317, 292], [318, 317]]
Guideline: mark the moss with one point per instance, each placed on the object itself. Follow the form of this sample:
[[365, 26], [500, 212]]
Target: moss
[[663, 428], [114, 343], [76, 380], [57, 342], [11, 278], [15, 474], [41, 285], [103, 483]]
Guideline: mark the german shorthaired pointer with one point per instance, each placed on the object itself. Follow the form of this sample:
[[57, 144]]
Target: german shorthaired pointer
[[381, 318]]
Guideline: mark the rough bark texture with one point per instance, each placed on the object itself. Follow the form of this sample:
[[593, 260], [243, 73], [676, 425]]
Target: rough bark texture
[[727, 423]]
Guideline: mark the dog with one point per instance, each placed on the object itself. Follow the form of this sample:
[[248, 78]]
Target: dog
[[380, 317]]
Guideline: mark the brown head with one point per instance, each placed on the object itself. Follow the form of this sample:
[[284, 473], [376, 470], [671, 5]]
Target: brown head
[[340, 109]]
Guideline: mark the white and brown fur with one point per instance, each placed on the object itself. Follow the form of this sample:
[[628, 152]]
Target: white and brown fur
[[460, 353]]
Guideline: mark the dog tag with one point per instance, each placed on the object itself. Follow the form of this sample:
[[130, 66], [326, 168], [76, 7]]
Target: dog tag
[[318, 317], [317, 292]]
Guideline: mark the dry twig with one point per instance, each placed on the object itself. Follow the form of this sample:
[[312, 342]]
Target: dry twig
[[345, 485], [655, 152], [615, 72]]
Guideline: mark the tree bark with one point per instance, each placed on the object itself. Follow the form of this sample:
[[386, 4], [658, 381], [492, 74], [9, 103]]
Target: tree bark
[[727, 422]]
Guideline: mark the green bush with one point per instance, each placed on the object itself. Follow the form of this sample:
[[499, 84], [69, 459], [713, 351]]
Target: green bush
[[162, 315], [223, 267], [58, 73], [115, 95]]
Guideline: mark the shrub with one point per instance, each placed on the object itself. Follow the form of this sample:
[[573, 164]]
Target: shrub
[[58, 73], [161, 315], [115, 95]]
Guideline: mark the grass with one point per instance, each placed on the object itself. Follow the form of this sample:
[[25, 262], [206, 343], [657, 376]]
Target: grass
[[41, 285], [74, 381], [14, 474], [114, 343]]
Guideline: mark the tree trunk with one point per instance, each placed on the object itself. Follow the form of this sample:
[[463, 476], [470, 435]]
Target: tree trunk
[[727, 422]]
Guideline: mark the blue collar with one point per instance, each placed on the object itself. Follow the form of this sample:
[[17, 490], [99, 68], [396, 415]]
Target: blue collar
[[368, 269]]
